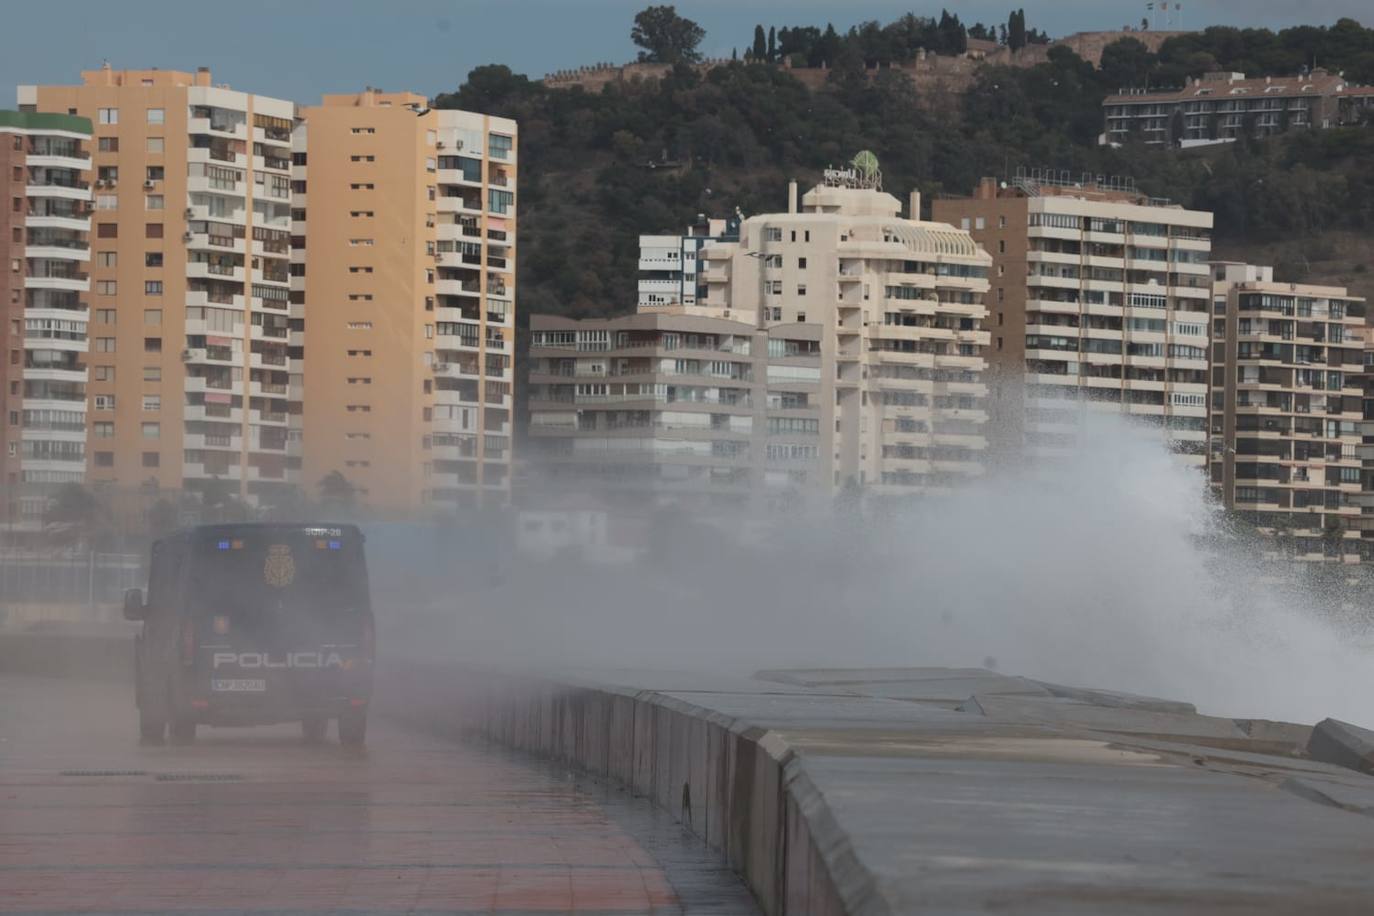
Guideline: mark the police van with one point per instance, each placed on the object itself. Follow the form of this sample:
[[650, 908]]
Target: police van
[[255, 624]]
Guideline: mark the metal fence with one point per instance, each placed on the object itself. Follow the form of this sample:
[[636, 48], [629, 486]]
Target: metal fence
[[67, 578]]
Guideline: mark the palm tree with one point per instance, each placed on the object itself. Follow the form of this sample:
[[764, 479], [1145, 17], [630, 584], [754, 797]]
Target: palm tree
[[1333, 537], [287, 503], [337, 492]]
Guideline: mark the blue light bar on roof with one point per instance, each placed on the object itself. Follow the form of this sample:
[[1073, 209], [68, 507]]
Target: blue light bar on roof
[[223, 545], [335, 545]]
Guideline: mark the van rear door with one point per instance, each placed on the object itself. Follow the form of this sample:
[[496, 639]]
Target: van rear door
[[283, 613]]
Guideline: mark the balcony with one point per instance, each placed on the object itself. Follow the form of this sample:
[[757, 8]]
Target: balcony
[[74, 281], [217, 127], [59, 188], [210, 269], [55, 158], [58, 249]]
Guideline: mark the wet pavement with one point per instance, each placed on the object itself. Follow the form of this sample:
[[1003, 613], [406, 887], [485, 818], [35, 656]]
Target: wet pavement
[[256, 820]]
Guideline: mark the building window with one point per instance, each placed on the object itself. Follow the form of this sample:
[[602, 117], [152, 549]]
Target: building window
[[106, 258], [103, 402], [104, 459], [106, 201], [105, 287], [151, 430], [152, 317], [153, 201], [108, 144], [152, 259], [1001, 223], [499, 146], [104, 316], [152, 231], [150, 459], [103, 373], [152, 402], [103, 429], [107, 230], [156, 115], [155, 144], [152, 373], [152, 287], [109, 116], [801, 263], [500, 201], [152, 345]]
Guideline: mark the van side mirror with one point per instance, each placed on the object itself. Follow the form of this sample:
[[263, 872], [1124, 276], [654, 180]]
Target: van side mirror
[[134, 608]]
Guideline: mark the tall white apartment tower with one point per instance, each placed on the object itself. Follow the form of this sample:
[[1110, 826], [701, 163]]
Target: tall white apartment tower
[[894, 307]]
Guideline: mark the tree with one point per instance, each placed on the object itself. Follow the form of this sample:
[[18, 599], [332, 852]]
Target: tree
[[1126, 64], [666, 37], [492, 88], [287, 503], [162, 518], [760, 50], [74, 514], [826, 50], [1333, 537], [337, 492], [219, 501], [1016, 30], [772, 44]]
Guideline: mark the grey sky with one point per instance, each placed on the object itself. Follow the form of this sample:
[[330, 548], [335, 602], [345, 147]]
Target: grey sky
[[299, 49]]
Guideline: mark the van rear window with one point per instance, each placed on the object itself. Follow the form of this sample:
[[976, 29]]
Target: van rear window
[[314, 570]]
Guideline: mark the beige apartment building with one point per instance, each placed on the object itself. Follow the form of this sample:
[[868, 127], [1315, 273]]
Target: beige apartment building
[[1098, 304], [193, 376], [664, 406], [864, 368], [44, 284], [405, 260], [1287, 408]]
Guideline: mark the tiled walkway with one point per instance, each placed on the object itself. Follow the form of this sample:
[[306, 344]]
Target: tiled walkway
[[257, 821]]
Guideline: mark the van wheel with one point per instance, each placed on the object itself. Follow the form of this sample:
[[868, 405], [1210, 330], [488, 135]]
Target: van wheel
[[150, 728], [313, 729], [353, 728], [183, 731]]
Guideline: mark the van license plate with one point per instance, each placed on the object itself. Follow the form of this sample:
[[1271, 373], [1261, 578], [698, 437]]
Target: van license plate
[[239, 685]]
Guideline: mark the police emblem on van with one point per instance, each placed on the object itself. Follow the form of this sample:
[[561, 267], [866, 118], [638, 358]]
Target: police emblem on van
[[279, 570]]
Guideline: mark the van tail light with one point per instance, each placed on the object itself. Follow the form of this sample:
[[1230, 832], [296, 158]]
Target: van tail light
[[369, 641], [188, 643]]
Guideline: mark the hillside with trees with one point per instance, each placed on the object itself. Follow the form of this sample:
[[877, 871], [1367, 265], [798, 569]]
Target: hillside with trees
[[598, 169]]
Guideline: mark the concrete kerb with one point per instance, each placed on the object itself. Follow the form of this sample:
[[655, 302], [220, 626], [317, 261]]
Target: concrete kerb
[[740, 788]]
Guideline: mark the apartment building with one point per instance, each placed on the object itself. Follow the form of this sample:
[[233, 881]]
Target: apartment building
[[1365, 523], [405, 277], [668, 275], [44, 232], [896, 307], [1098, 304], [194, 381], [1287, 409], [661, 406], [1216, 107], [837, 344]]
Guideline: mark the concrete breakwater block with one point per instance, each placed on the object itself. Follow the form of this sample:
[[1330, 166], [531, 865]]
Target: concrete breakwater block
[[1343, 744]]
